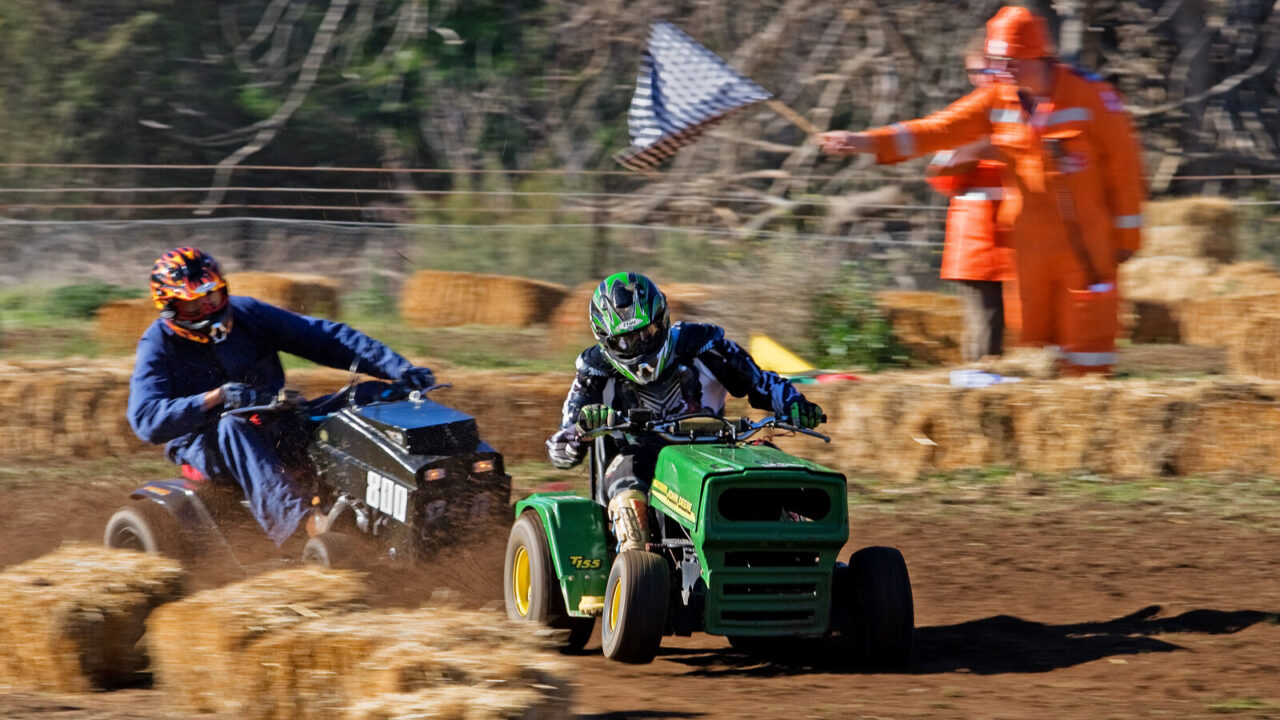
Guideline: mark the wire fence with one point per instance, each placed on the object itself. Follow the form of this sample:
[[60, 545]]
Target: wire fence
[[96, 230]]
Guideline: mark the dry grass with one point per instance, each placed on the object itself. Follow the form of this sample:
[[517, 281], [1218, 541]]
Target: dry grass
[[70, 621]]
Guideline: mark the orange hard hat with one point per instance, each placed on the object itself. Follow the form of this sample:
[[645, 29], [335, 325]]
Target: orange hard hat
[[1016, 32]]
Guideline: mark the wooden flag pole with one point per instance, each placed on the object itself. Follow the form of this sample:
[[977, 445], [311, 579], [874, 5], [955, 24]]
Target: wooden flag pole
[[796, 118]]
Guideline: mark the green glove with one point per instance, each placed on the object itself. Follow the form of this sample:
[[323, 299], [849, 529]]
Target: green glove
[[805, 414], [591, 417]]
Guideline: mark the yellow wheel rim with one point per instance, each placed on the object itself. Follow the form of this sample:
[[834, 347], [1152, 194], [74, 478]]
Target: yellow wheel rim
[[616, 605], [521, 581]]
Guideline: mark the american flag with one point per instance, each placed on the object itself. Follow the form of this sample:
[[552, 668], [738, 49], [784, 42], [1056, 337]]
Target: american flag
[[682, 89]]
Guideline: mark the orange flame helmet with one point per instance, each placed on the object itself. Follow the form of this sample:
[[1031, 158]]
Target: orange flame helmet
[[190, 291], [1016, 32]]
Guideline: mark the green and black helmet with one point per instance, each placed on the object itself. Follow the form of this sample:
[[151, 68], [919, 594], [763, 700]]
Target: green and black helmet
[[630, 321]]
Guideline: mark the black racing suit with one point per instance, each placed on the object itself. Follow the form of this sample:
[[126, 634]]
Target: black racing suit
[[704, 367]]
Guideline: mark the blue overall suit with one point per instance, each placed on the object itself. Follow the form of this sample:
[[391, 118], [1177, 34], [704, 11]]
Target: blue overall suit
[[171, 375]]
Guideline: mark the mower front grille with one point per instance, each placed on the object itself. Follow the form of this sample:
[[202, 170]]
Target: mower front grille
[[769, 617], [757, 589], [444, 439], [770, 558]]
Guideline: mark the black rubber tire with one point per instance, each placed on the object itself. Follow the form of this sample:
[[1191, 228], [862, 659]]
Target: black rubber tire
[[545, 602], [335, 550], [880, 619], [145, 526], [640, 581]]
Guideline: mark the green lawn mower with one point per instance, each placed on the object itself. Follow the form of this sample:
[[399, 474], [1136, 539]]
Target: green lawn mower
[[745, 539]]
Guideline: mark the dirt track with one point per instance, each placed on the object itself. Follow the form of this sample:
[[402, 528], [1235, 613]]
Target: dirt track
[[1073, 610]]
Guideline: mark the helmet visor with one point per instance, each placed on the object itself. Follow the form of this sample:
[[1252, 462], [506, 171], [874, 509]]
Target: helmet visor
[[629, 346], [200, 307]]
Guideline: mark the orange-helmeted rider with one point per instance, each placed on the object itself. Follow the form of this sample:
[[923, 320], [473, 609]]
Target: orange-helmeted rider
[[1073, 187]]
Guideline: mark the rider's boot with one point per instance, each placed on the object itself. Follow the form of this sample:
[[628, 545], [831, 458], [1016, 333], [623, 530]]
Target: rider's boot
[[629, 515]]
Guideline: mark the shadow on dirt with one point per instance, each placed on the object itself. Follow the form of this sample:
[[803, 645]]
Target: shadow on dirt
[[639, 715], [994, 645]]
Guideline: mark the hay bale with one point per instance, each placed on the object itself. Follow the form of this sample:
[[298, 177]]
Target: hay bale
[[1219, 321], [1152, 423], [437, 298], [1244, 278], [118, 324], [1063, 425], [314, 295], [462, 702], [320, 668], [1240, 435], [570, 328], [1197, 227], [1165, 278], [929, 325], [1256, 348], [71, 620], [198, 646]]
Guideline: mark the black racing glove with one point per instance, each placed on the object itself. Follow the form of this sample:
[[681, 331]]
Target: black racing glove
[[418, 377], [591, 417], [239, 395], [804, 414]]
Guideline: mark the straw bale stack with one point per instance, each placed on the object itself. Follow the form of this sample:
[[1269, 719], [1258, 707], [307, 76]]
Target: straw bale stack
[[929, 325], [320, 668], [1219, 321], [70, 621], [68, 408], [571, 329], [1152, 422], [1200, 227], [1256, 349], [307, 294], [1239, 435], [118, 324], [438, 298], [1062, 425], [198, 646]]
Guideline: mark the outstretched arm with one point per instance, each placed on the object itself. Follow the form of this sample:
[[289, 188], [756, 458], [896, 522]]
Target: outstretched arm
[[963, 121], [329, 343]]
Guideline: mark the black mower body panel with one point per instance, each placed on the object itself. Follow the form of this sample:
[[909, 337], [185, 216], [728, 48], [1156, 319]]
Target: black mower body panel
[[409, 464]]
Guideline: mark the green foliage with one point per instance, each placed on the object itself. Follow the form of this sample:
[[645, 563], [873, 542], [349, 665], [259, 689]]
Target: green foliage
[[850, 331], [80, 302]]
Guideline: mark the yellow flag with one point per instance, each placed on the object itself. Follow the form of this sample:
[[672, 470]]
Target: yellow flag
[[770, 355]]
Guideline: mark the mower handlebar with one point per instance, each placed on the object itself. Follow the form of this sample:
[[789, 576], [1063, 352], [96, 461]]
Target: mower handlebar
[[669, 429]]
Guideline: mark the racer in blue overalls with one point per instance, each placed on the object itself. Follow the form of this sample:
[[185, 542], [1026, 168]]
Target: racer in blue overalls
[[209, 352]]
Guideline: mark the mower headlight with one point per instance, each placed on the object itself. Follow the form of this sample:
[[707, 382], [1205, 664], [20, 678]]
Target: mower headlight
[[483, 466], [434, 474]]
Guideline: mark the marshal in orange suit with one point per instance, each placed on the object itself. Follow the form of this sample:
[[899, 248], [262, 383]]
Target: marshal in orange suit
[[1073, 189]]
